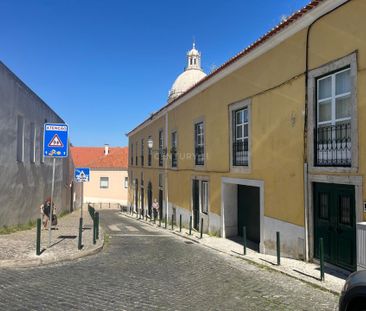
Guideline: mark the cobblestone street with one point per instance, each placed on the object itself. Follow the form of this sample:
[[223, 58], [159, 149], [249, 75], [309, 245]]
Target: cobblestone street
[[143, 268]]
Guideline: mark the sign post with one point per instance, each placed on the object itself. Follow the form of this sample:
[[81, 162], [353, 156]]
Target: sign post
[[81, 174], [55, 145]]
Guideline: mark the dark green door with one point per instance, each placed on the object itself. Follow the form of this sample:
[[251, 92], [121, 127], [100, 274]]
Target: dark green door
[[195, 199], [149, 198], [335, 222], [248, 212]]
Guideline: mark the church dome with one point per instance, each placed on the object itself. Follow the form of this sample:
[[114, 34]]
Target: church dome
[[190, 76]]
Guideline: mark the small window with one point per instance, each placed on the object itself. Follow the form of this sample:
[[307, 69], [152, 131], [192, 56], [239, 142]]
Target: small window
[[104, 182], [241, 137], [32, 141], [161, 146], [126, 182], [20, 139], [174, 150], [345, 210], [161, 180], [199, 142], [204, 197]]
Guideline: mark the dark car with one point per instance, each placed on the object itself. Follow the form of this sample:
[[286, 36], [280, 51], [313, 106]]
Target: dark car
[[353, 296]]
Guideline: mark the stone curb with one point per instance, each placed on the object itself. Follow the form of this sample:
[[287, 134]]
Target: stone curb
[[270, 267], [27, 263]]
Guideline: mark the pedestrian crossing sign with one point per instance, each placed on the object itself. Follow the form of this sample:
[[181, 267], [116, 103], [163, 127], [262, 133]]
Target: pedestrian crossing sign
[[82, 174], [55, 140]]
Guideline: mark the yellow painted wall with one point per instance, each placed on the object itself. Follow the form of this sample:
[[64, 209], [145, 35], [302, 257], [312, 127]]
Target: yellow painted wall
[[275, 83]]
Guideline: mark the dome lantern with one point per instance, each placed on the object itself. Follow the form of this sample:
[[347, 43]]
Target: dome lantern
[[190, 76]]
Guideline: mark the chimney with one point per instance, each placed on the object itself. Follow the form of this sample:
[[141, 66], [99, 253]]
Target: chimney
[[106, 149]]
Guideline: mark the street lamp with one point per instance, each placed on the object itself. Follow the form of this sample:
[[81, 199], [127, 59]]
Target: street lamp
[[150, 144]]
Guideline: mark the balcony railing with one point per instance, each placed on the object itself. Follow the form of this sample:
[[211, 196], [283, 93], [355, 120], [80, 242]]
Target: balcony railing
[[174, 157], [333, 145], [142, 160], [199, 155], [240, 153], [160, 157]]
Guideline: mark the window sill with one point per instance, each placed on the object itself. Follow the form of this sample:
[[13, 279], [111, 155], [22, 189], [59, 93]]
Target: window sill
[[332, 169], [240, 169]]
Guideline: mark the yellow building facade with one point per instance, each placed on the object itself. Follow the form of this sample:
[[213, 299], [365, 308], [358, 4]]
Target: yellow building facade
[[273, 140]]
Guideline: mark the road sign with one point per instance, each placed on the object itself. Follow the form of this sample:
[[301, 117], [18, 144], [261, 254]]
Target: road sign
[[55, 142], [82, 174]]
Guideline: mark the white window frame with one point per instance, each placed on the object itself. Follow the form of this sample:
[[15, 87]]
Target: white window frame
[[314, 75], [243, 104], [174, 138], [204, 196], [106, 179], [126, 182], [197, 144]]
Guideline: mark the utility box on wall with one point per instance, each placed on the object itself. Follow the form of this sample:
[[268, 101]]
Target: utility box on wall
[[361, 246]]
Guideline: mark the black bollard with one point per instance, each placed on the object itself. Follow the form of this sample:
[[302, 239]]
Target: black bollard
[[94, 230], [321, 257], [97, 225], [80, 241], [190, 225], [38, 241], [172, 222], [278, 248], [245, 240], [201, 232], [180, 223], [166, 221]]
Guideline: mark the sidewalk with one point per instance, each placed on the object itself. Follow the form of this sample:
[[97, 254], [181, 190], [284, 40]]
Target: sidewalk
[[304, 271], [19, 249]]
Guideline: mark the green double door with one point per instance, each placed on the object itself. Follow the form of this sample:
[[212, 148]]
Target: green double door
[[335, 222], [249, 213]]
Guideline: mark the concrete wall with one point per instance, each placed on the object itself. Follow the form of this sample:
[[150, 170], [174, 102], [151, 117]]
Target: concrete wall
[[24, 185], [116, 192]]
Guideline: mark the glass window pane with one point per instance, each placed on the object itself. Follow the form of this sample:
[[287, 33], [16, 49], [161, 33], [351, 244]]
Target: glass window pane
[[343, 82], [246, 130], [239, 131], [345, 210], [245, 115], [325, 111], [245, 144], [325, 88], [343, 107], [239, 117], [323, 205]]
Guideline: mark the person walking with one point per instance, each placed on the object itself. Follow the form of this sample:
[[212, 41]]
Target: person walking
[[46, 211], [155, 207]]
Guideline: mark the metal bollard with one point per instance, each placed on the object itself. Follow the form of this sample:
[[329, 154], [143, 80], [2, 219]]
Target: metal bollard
[[166, 221], [159, 221], [190, 225], [97, 226], [145, 216], [321, 257], [278, 248], [245, 240], [180, 223], [154, 218], [38, 240], [201, 231], [94, 230], [172, 222], [80, 241]]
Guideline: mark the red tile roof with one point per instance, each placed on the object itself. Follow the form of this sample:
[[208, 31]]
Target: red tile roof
[[94, 157], [282, 25]]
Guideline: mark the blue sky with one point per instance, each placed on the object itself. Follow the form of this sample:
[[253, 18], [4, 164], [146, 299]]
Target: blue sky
[[104, 66]]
